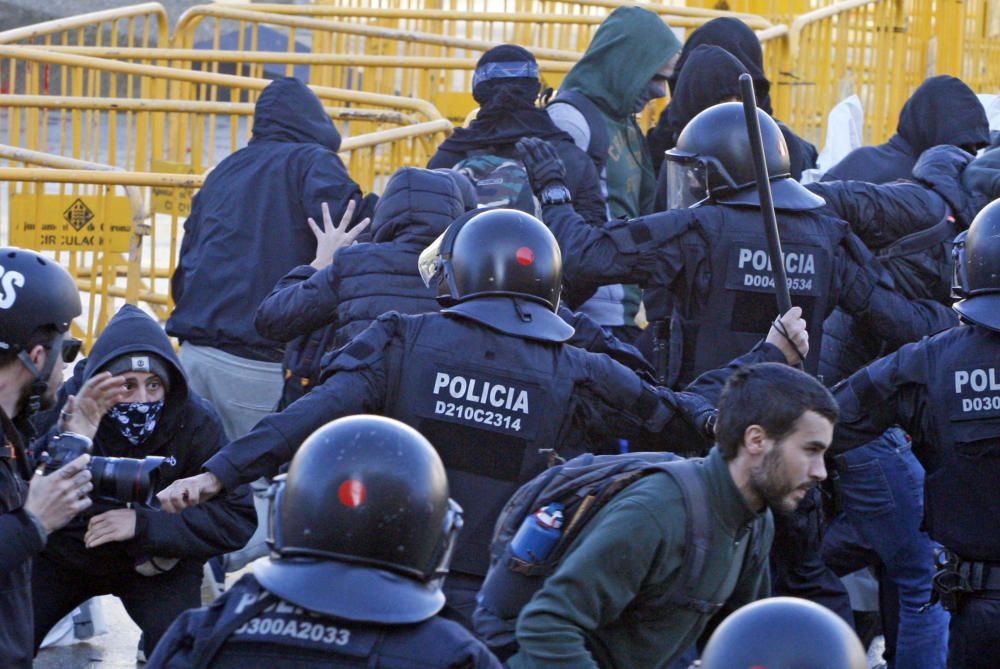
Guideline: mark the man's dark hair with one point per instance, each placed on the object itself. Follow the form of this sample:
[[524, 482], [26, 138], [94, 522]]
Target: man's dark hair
[[44, 335], [773, 396]]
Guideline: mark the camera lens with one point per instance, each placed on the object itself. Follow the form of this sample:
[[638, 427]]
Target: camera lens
[[125, 479]]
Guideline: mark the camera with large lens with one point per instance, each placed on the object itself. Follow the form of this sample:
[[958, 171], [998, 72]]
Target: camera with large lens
[[115, 479]]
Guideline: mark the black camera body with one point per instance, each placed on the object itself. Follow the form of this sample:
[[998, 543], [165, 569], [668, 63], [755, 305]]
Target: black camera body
[[123, 480]]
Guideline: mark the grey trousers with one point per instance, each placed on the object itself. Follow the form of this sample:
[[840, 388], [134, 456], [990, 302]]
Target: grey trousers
[[242, 391]]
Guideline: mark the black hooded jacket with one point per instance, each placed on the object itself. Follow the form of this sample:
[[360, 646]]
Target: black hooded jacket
[[741, 42], [943, 110], [498, 130], [187, 434], [248, 225], [324, 309]]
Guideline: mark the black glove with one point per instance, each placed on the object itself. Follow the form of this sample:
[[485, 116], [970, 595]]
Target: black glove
[[699, 412], [542, 163]]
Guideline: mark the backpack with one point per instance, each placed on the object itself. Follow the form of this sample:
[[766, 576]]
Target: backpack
[[600, 142], [500, 180], [584, 485], [920, 263]]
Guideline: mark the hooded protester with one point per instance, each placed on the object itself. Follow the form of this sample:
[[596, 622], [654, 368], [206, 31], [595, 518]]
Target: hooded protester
[[943, 110], [711, 75], [625, 66], [151, 559], [322, 306], [506, 86], [740, 41], [246, 229]]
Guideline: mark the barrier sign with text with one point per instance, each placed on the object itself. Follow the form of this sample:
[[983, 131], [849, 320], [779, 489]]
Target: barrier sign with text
[[70, 222]]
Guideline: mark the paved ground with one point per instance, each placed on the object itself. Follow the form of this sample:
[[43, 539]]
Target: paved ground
[[115, 650]]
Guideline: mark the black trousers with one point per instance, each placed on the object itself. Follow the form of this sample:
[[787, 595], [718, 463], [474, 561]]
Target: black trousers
[[974, 633], [152, 601]]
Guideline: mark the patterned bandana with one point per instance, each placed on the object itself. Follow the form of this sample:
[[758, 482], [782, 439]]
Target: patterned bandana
[[136, 420]]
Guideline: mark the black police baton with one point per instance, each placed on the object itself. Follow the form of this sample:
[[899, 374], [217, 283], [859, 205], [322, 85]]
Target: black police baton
[[764, 192]]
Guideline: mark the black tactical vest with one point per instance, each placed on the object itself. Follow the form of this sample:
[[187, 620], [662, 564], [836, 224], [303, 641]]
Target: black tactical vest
[[737, 303], [962, 507], [493, 406]]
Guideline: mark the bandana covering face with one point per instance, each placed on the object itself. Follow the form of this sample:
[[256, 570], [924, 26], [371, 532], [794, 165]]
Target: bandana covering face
[[136, 420]]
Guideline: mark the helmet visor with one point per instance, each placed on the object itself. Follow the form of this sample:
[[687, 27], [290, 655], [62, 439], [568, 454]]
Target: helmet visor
[[429, 263], [959, 281], [687, 181]]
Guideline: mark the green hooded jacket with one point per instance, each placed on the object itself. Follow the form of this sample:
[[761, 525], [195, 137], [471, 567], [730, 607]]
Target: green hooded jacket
[[630, 47]]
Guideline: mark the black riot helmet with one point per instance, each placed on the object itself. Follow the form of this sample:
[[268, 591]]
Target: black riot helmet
[[501, 268], [977, 269], [36, 293], [784, 633], [713, 160], [361, 527]]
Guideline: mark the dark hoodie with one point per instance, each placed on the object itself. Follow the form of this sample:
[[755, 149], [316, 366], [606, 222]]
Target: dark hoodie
[[187, 434], [497, 129], [248, 225], [327, 308], [943, 110], [741, 42]]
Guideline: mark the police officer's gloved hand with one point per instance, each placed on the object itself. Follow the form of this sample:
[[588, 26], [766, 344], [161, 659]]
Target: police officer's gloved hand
[[545, 168], [699, 412]]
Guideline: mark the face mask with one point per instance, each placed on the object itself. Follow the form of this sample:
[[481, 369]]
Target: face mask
[[136, 420], [654, 89]]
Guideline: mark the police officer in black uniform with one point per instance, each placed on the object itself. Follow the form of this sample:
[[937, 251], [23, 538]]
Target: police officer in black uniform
[[361, 533], [38, 299], [487, 380], [945, 392], [710, 251]]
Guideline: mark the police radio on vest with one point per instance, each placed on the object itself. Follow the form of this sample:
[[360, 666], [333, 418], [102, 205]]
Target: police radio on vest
[[795, 263], [482, 392]]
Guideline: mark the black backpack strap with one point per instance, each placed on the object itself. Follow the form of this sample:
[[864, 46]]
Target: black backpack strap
[[697, 544], [209, 644], [916, 242], [600, 142]]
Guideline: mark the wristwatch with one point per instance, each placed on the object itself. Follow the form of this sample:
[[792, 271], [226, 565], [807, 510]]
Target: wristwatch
[[555, 193]]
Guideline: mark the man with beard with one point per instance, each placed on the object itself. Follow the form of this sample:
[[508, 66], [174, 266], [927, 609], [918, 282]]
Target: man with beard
[[774, 425], [38, 300]]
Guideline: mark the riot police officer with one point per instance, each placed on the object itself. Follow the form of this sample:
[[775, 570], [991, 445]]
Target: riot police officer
[[945, 392], [783, 633], [361, 533], [38, 300], [487, 380], [710, 250]]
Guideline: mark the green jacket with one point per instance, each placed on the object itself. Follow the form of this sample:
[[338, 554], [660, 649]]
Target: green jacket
[[578, 619], [627, 50]]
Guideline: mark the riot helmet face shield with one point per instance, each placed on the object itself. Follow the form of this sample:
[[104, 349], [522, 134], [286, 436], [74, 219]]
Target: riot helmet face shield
[[960, 279], [687, 180]]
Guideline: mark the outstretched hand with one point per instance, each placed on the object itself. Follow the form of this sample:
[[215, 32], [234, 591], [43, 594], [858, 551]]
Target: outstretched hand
[[82, 412], [542, 163], [184, 493], [332, 237]]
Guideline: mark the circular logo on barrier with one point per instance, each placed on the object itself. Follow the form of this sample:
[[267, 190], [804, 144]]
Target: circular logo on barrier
[[352, 493]]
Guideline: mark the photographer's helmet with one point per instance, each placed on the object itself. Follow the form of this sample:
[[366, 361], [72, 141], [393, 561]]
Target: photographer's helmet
[[361, 527], [35, 292], [784, 633], [713, 161], [501, 268], [976, 255]]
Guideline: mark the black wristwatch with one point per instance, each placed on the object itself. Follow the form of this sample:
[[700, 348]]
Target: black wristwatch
[[555, 193]]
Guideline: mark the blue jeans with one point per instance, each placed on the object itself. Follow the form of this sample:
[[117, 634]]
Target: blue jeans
[[882, 487]]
